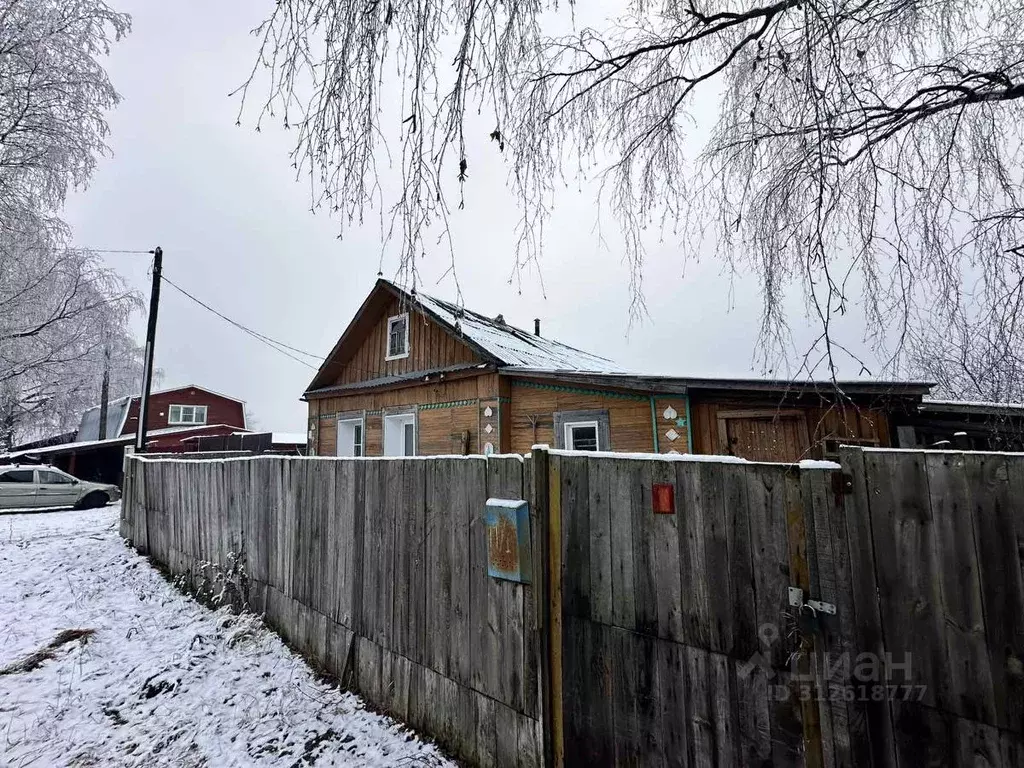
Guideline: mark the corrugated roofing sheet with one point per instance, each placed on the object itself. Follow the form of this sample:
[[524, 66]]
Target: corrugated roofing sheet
[[89, 427], [514, 346]]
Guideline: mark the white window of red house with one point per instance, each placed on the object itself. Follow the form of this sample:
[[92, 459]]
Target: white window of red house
[[398, 337], [186, 414]]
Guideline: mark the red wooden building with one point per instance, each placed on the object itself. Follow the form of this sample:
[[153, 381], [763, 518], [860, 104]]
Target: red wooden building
[[175, 416]]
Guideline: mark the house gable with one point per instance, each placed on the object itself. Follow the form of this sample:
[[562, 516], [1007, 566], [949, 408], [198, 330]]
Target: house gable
[[220, 409], [361, 352]]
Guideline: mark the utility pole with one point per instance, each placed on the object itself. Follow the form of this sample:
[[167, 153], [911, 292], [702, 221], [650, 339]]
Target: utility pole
[[104, 386], [105, 389], [147, 374]]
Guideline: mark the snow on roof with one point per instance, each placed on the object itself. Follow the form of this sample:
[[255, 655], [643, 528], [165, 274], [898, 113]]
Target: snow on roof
[[969, 404], [511, 345]]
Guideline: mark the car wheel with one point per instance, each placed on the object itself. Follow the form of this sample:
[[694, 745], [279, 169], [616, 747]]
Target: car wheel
[[93, 500]]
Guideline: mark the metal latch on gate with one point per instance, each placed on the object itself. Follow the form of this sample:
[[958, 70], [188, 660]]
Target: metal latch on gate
[[813, 617], [796, 599]]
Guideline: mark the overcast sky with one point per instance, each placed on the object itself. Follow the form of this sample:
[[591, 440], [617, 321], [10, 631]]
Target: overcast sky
[[237, 232]]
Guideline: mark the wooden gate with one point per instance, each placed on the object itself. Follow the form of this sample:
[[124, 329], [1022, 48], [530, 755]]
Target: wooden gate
[[767, 435], [676, 639], [944, 534]]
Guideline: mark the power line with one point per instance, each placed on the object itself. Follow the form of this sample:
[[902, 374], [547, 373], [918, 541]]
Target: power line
[[108, 250], [79, 248], [278, 346]]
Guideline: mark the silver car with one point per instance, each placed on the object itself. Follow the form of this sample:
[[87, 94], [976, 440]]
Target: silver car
[[27, 486]]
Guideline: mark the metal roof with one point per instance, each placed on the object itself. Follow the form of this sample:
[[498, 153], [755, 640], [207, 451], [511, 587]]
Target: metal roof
[[507, 344], [515, 352], [117, 413], [976, 407]]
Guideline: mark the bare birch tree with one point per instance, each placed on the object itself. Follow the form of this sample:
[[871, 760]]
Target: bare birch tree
[[58, 307], [54, 93], [862, 152], [61, 311], [976, 354]]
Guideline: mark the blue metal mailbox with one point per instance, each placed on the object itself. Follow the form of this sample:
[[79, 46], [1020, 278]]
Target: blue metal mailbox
[[507, 522]]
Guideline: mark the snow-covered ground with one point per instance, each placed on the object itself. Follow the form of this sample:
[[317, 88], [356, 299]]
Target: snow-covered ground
[[163, 681]]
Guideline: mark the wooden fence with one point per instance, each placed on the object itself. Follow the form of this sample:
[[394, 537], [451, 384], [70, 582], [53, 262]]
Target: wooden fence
[[374, 570], [646, 639]]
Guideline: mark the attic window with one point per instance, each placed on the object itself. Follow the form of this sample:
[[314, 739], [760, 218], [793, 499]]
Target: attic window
[[186, 414], [398, 337]]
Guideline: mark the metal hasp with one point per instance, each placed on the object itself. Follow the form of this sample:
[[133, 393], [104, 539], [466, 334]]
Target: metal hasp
[[507, 522], [796, 599]]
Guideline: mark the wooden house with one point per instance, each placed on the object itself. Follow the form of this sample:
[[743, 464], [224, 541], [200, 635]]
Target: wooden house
[[415, 375]]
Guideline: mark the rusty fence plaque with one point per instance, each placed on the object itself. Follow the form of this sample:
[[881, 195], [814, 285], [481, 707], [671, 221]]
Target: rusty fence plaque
[[507, 522]]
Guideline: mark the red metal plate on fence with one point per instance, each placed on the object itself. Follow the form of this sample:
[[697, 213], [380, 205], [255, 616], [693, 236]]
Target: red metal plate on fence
[[663, 496]]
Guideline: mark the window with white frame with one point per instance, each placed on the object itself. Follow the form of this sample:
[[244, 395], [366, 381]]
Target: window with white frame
[[582, 436], [350, 437], [588, 430], [186, 414], [400, 434], [398, 337]]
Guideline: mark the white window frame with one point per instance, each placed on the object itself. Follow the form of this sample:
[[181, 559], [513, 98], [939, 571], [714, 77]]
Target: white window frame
[[391, 321], [403, 419], [570, 425], [196, 409], [359, 420]]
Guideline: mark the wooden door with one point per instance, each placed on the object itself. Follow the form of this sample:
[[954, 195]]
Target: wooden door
[[767, 435]]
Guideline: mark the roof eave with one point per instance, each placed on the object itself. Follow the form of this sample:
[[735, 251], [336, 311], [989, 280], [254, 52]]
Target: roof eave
[[684, 385]]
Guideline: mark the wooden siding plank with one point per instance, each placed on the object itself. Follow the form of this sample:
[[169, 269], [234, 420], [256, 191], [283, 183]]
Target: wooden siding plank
[[575, 493], [830, 583], [998, 487], [966, 667], [693, 562], [439, 526], [644, 568], [624, 484], [770, 554], [744, 640], [484, 619], [600, 489], [911, 604], [716, 586], [467, 489], [871, 729]]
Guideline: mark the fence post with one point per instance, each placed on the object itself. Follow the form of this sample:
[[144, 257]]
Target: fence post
[[798, 515], [547, 599]]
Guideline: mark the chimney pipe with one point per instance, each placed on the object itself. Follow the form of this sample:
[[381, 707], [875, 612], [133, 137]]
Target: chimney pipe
[[536, 326]]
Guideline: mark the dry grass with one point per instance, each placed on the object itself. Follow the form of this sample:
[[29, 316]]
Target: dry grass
[[49, 651]]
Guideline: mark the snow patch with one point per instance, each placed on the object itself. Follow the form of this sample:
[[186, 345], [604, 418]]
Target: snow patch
[[163, 680], [818, 464]]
